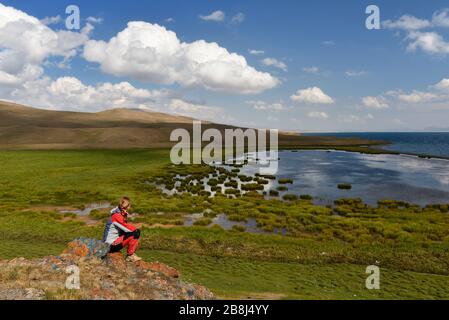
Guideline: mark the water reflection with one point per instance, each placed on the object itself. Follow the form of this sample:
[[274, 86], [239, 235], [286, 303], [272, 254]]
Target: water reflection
[[373, 177], [223, 221]]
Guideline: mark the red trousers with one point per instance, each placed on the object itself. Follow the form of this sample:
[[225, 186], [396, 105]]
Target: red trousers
[[121, 243]]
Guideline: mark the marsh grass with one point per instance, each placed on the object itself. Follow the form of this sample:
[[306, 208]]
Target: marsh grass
[[344, 186], [285, 181], [240, 278], [411, 242]]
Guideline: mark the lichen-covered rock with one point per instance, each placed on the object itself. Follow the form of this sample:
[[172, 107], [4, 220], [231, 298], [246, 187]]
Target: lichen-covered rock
[[84, 247], [159, 267], [101, 277]]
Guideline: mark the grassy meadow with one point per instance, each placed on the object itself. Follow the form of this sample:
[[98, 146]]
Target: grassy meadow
[[323, 254]]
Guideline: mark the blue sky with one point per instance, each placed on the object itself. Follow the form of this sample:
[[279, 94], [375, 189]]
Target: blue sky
[[310, 65]]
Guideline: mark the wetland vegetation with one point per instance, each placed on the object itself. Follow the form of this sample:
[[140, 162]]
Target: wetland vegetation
[[302, 250]]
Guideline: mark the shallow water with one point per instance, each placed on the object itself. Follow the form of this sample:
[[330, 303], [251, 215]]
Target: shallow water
[[373, 177], [89, 209], [223, 221]]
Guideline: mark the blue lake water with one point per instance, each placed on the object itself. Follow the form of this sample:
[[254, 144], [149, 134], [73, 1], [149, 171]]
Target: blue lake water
[[373, 177], [429, 143]]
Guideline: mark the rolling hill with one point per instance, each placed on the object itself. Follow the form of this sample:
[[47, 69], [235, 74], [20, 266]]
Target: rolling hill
[[24, 127]]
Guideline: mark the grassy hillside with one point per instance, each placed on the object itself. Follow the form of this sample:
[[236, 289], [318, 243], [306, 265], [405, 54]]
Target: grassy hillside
[[28, 128], [325, 257]]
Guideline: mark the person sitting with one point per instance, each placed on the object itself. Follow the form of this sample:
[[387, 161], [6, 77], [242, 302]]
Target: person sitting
[[119, 234]]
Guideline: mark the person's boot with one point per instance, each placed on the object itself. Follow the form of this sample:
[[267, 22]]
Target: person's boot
[[133, 258]]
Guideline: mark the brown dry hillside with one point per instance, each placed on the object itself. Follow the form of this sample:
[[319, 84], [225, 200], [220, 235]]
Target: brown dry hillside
[[29, 128]]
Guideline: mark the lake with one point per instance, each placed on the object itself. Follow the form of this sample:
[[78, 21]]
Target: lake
[[428, 143], [373, 177]]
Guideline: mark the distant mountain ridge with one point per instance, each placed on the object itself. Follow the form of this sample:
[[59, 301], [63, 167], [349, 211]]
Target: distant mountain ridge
[[18, 114], [24, 127]]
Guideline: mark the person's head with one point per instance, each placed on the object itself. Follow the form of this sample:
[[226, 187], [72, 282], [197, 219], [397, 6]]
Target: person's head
[[125, 203]]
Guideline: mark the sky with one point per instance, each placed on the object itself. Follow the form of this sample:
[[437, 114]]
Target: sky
[[286, 64]]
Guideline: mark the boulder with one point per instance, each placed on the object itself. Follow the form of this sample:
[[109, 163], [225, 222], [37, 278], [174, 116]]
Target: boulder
[[84, 247], [102, 276], [159, 267]]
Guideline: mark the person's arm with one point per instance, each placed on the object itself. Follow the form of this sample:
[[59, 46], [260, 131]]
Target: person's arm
[[119, 222]]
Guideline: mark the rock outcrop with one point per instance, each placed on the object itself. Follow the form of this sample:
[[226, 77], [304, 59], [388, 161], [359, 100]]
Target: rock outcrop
[[101, 276]]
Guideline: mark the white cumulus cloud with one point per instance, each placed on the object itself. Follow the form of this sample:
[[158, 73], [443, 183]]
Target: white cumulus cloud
[[441, 18], [407, 22], [263, 105], [443, 84], [429, 42], [69, 93], [151, 53], [196, 110], [256, 52], [26, 43], [374, 102], [217, 16], [436, 96], [272, 62], [94, 20], [51, 20], [312, 95], [418, 97]]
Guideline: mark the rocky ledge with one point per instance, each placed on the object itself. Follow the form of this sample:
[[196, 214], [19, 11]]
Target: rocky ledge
[[85, 271]]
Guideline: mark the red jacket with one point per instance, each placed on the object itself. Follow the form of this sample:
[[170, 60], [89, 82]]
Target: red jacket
[[117, 226], [121, 219]]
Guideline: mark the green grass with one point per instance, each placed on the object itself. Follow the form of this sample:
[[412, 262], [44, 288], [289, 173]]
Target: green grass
[[324, 255], [72, 177], [241, 278], [10, 249]]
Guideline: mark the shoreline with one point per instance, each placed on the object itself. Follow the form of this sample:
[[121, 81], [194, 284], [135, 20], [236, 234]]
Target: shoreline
[[363, 150]]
